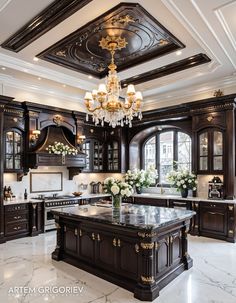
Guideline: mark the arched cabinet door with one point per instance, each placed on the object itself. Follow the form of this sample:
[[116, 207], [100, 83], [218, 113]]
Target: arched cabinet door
[[211, 151], [13, 150]]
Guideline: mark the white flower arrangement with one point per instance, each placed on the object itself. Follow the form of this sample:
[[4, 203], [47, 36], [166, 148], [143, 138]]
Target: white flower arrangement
[[141, 178], [182, 180], [59, 148], [117, 188]]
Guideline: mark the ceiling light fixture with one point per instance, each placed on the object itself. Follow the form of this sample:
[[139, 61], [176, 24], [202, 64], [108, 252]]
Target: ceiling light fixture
[[178, 53], [105, 104], [39, 78], [3, 68], [36, 59], [90, 77]]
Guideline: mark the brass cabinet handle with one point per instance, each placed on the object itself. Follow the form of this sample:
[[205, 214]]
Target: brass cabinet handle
[[98, 237], [136, 247], [64, 228], [116, 242], [93, 236], [76, 232], [80, 233]]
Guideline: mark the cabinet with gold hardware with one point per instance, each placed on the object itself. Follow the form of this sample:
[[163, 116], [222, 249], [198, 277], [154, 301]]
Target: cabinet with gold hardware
[[129, 255], [127, 247], [16, 221], [71, 240]]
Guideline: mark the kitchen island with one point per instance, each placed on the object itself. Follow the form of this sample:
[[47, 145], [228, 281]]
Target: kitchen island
[[140, 248]]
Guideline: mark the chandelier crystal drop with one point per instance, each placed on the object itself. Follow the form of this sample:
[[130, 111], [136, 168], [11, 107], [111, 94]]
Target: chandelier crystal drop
[[105, 104]]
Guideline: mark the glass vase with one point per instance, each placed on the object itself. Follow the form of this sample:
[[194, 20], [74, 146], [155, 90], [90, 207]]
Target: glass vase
[[116, 202]]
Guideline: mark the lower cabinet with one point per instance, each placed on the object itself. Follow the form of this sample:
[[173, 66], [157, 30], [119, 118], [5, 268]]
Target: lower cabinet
[[16, 220], [25, 219], [213, 219]]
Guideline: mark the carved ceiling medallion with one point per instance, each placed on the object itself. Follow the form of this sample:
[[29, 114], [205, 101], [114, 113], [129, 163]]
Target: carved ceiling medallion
[[146, 37]]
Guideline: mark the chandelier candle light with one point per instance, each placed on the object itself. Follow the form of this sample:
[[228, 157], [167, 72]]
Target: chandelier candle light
[[105, 104]]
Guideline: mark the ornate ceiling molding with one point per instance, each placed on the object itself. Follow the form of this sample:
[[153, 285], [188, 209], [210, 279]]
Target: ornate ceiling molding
[[52, 15], [147, 39]]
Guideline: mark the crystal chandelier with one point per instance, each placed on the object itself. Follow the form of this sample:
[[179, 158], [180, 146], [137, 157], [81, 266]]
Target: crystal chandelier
[[105, 104]]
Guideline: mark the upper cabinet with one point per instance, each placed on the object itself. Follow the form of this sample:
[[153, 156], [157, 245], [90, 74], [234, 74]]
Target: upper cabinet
[[13, 150], [210, 151], [94, 155], [113, 154]]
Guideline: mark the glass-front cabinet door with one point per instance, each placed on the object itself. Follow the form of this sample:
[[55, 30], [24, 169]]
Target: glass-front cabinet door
[[94, 155], [13, 150], [210, 151], [203, 151], [217, 150], [113, 156]]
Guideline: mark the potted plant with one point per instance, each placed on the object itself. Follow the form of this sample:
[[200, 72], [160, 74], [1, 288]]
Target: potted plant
[[183, 180], [141, 178], [117, 189]]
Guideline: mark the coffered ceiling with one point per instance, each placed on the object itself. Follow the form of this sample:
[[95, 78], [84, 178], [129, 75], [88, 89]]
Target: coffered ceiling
[[176, 48]]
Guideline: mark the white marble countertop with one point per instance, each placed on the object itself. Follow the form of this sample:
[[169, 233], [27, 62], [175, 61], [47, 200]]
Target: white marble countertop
[[32, 200], [163, 196]]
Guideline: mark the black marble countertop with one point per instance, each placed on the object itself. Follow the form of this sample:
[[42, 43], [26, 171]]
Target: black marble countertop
[[131, 216]]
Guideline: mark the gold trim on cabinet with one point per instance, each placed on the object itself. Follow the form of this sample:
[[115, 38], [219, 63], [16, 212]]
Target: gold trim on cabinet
[[147, 280], [147, 245], [157, 245]]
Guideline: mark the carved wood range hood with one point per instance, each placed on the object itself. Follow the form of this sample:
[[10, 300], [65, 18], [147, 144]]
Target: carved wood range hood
[[41, 157]]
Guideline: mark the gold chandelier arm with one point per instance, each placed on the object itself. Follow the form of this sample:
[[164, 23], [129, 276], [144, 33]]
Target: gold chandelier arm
[[92, 110]]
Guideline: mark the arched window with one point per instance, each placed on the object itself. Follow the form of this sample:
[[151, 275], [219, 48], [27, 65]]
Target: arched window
[[167, 150]]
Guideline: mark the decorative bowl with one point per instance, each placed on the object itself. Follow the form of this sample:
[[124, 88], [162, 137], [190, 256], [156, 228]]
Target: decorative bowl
[[77, 193]]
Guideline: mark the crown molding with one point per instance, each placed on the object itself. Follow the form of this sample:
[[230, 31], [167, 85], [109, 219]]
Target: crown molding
[[197, 90], [44, 72], [29, 87]]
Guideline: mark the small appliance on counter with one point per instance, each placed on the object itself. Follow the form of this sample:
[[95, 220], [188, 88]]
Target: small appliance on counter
[[215, 189], [95, 187]]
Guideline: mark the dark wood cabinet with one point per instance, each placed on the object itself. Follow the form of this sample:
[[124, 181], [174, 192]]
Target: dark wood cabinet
[[113, 156], [210, 151], [13, 139], [213, 219], [23, 219], [16, 220], [94, 150], [86, 247]]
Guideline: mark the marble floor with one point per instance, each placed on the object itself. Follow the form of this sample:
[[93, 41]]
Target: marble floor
[[27, 263]]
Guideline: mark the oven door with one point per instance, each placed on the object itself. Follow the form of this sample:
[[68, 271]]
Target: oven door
[[49, 221]]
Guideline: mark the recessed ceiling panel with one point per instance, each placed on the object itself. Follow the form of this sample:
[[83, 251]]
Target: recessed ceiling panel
[[146, 37]]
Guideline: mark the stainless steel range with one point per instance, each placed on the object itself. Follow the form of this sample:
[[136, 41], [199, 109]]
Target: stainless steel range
[[56, 202]]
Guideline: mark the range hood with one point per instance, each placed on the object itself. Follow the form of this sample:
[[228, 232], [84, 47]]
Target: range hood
[[41, 157]]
